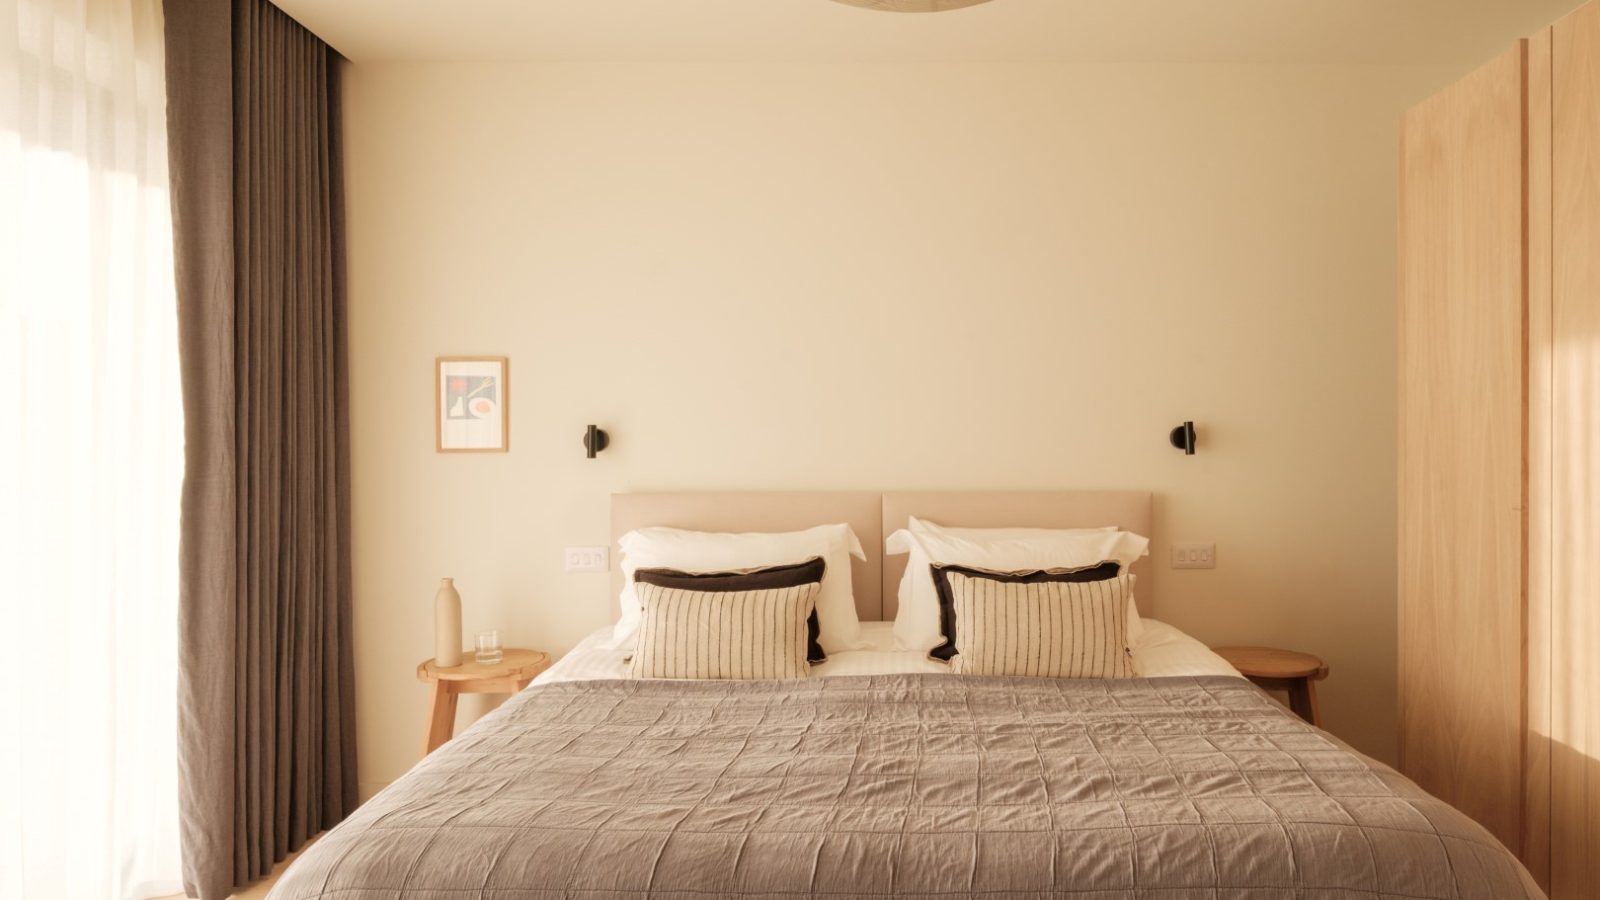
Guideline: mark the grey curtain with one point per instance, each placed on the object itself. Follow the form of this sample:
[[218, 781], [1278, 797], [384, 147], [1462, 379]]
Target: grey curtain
[[266, 694]]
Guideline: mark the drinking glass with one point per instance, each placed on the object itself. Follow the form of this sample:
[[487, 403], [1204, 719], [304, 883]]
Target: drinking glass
[[489, 652]]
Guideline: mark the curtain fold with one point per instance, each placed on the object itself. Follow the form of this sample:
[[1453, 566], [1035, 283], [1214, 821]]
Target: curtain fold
[[267, 707]]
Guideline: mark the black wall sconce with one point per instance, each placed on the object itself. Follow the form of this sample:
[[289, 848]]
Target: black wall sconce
[[594, 440], [1182, 437]]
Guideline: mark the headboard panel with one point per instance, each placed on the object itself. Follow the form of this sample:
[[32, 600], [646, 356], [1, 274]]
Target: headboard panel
[[762, 511], [1128, 510], [874, 516]]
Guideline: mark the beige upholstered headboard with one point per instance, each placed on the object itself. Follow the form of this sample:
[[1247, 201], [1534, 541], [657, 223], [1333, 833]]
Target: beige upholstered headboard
[[874, 516]]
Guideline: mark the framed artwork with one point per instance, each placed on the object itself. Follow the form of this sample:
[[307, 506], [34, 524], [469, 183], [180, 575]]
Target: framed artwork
[[474, 414]]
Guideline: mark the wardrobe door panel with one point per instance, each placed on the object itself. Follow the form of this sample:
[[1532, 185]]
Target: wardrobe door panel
[[1574, 717], [1535, 851], [1462, 427]]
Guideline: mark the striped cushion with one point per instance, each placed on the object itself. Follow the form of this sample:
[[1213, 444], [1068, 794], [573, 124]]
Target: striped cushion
[[1016, 625], [947, 606], [723, 634], [813, 569]]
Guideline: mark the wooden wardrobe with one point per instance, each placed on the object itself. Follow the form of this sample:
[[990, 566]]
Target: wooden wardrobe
[[1500, 450]]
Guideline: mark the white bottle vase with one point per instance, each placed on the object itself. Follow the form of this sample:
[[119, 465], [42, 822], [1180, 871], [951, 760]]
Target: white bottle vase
[[447, 625]]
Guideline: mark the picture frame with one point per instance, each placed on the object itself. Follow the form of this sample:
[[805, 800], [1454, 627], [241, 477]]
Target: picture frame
[[472, 404]]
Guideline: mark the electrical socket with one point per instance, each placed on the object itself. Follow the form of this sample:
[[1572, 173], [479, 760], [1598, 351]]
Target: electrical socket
[[1194, 556], [588, 559]]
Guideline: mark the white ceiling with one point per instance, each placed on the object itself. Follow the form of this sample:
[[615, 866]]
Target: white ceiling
[[1311, 31]]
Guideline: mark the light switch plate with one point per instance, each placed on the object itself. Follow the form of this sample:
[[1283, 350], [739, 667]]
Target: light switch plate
[[588, 559], [1194, 556]]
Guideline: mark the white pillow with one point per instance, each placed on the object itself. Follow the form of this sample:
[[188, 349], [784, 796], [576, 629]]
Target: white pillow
[[916, 624], [701, 551], [923, 526]]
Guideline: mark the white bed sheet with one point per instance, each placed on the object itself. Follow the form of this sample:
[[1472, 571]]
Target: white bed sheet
[[1163, 651]]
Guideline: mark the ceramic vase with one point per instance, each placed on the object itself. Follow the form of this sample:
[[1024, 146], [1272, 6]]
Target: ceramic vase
[[447, 625]]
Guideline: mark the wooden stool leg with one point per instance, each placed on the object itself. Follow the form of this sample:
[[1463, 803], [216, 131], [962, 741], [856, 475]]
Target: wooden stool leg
[[1303, 700], [441, 717]]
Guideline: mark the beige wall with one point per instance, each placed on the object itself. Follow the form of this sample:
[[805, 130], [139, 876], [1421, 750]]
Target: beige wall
[[896, 276]]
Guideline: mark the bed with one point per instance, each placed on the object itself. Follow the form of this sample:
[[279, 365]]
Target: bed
[[885, 776]]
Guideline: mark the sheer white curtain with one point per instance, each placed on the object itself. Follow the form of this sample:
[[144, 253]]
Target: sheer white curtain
[[91, 455]]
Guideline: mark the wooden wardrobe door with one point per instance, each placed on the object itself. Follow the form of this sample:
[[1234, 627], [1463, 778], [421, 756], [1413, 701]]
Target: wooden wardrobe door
[[1574, 627], [1535, 849], [1462, 427]]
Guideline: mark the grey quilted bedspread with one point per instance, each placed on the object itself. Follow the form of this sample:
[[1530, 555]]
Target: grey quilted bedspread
[[904, 786]]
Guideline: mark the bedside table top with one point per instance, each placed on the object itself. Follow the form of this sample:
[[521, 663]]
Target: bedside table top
[[1270, 662], [516, 664]]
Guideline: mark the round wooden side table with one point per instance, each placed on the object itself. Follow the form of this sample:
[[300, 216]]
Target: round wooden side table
[[1290, 671], [509, 675]]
